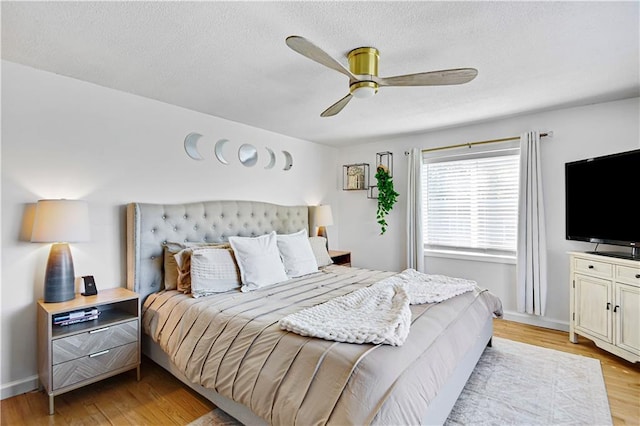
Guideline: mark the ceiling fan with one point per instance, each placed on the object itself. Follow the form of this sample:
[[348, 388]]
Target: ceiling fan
[[363, 72]]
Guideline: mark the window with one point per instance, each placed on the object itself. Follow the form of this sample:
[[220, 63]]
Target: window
[[470, 203]]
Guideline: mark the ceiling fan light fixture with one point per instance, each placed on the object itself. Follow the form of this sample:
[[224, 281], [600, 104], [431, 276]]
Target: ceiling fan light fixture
[[364, 89]]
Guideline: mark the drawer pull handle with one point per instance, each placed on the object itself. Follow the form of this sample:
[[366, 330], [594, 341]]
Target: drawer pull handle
[[615, 309], [637, 275], [99, 353], [100, 330], [590, 266], [608, 306]]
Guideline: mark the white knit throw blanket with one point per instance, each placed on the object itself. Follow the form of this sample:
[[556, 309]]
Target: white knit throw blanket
[[377, 314]]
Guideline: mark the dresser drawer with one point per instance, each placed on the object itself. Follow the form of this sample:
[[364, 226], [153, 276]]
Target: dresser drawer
[[593, 267], [80, 345], [95, 364], [628, 275]]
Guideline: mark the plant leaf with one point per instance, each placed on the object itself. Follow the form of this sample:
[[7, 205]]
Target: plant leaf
[[387, 197]]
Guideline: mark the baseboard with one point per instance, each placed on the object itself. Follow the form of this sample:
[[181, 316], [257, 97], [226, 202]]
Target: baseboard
[[18, 387], [536, 320]]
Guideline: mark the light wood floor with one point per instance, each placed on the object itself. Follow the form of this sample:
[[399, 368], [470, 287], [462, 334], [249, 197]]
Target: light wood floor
[[160, 399]]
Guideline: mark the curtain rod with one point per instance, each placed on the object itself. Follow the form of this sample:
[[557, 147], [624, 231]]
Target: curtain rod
[[470, 144]]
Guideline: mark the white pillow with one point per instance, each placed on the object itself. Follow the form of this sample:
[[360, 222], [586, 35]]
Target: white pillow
[[259, 261], [319, 247], [296, 253], [213, 270]]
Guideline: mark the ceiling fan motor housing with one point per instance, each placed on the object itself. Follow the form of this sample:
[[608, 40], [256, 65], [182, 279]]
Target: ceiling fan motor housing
[[363, 62]]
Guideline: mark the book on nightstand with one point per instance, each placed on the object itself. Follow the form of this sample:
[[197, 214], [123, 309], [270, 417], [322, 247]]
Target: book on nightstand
[[74, 317]]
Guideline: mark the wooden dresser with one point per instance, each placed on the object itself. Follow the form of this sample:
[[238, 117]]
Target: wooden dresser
[[605, 303]]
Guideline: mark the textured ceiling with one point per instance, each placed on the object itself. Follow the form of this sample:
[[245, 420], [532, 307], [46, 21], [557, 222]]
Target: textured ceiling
[[229, 59]]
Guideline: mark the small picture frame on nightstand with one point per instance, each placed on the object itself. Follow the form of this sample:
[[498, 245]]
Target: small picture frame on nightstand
[[89, 286]]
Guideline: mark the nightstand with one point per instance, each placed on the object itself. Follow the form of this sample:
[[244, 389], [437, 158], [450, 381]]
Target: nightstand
[[340, 257], [75, 355]]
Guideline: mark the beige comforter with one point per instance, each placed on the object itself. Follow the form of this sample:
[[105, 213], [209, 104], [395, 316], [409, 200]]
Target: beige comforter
[[232, 343]]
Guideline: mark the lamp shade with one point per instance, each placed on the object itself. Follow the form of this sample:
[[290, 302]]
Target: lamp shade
[[61, 221], [323, 215]]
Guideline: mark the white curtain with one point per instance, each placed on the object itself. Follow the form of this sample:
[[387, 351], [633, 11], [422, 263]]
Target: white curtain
[[415, 250], [532, 254]]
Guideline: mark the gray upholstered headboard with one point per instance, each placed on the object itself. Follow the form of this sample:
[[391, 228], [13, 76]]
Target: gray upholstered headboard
[[149, 226]]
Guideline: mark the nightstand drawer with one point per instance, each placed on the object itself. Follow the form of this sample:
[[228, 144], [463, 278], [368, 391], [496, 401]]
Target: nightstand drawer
[[80, 345], [95, 364]]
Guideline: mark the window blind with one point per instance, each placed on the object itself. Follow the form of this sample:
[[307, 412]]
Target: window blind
[[471, 203]]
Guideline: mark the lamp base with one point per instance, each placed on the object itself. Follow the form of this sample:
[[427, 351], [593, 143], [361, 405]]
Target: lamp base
[[59, 279]]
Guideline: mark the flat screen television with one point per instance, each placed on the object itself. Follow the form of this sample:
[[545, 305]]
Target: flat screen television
[[602, 201]]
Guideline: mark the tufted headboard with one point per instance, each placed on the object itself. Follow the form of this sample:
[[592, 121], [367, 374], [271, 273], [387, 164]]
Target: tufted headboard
[[149, 226]]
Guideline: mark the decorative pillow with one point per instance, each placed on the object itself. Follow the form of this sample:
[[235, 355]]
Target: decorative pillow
[[213, 270], [259, 261], [183, 261], [297, 256], [319, 247], [170, 265]]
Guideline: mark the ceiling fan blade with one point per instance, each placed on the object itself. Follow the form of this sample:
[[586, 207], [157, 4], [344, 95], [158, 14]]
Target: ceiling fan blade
[[432, 78], [313, 52], [337, 107]]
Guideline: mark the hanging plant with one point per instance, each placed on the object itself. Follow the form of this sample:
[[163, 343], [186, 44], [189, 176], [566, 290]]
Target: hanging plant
[[386, 196]]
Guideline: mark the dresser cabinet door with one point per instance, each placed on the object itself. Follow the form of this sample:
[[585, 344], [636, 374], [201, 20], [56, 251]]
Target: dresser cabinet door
[[627, 318], [593, 308]]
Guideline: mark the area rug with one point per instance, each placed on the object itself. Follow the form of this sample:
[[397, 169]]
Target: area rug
[[518, 384]]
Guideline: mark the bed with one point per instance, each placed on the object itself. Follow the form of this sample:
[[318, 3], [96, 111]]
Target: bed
[[229, 347]]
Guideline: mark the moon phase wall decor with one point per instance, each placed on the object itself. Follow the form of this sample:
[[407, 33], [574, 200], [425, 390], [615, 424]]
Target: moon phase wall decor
[[218, 151], [191, 146], [247, 153], [288, 160], [272, 159]]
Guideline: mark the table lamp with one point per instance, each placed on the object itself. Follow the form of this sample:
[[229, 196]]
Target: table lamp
[[323, 218], [60, 222]]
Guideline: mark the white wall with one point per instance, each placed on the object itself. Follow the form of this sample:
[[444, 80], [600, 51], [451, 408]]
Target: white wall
[[579, 133], [63, 138]]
